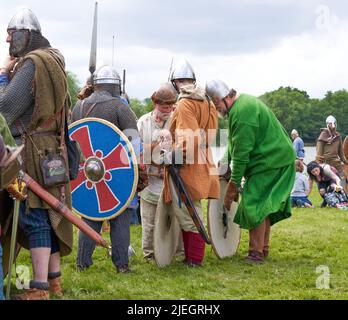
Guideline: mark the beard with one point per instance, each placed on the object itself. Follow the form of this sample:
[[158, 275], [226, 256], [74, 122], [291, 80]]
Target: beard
[[161, 115]]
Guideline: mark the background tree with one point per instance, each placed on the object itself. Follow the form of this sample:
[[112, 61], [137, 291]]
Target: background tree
[[141, 107], [73, 87], [293, 108]]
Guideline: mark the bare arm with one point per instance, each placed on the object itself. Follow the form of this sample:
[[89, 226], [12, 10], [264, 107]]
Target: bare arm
[[329, 173]]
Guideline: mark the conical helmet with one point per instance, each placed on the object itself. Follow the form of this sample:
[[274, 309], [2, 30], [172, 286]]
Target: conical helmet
[[24, 19], [217, 90], [182, 70], [106, 74]]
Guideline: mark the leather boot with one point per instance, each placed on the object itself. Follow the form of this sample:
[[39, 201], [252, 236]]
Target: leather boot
[[254, 257], [256, 243], [55, 287], [123, 269], [32, 294]]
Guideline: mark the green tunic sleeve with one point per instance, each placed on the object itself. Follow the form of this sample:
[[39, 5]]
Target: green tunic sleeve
[[6, 133], [242, 142]]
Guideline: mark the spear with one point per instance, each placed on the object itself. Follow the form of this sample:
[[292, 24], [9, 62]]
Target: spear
[[93, 54], [170, 70], [124, 82]]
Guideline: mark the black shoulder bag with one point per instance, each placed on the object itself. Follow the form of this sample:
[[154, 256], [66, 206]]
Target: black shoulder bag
[[73, 151]]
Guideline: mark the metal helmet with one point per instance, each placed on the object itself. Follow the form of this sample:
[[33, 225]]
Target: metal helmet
[[106, 75], [217, 90], [24, 19], [331, 120], [182, 70], [166, 94]]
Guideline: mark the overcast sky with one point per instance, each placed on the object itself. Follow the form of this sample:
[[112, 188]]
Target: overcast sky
[[253, 45]]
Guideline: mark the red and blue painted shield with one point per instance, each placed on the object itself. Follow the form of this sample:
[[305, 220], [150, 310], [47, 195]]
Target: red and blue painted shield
[[108, 176]]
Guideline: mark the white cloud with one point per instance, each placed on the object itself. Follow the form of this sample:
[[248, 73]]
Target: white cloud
[[312, 58]]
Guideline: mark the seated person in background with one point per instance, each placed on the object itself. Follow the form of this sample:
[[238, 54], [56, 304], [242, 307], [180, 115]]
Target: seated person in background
[[300, 191], [325, 176]]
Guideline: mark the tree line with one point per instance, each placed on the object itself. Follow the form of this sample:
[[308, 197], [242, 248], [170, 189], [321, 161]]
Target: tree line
[[296, 110], [293, 107]]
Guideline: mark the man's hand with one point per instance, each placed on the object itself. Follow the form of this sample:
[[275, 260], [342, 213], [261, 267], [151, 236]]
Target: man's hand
[[338, 188], [165, 140], [9, 64], [231, 195], [143, 179], [17, 189], [224, 171]]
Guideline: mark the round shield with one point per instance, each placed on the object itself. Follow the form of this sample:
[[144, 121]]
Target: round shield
[[108, 177], [166, 234], [224, 233]]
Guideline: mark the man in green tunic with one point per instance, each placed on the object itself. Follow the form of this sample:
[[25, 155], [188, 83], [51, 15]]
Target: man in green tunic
[[262, 153]]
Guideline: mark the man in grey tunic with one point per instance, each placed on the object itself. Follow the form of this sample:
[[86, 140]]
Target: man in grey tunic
[[106, 103]]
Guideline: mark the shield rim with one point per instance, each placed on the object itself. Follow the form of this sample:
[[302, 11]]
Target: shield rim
[[135, 167], [209, 231], [174, 226]]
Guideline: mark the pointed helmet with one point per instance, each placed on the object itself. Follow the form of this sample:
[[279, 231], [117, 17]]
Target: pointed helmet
[[182, 70], [24, 19]]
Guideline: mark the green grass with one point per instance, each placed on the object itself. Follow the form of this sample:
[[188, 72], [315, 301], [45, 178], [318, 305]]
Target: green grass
[[310, 238]]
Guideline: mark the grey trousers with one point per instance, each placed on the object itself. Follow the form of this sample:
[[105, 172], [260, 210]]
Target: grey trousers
[[119, 236]]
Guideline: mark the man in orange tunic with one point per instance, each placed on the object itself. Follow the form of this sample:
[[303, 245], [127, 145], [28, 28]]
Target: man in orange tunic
[[193, 119]]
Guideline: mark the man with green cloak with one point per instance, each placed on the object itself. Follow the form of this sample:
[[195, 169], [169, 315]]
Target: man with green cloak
[[262, 153]]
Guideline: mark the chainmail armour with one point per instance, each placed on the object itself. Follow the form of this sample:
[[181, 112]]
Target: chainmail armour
[[114, 110], [108, 108], [17, 100]]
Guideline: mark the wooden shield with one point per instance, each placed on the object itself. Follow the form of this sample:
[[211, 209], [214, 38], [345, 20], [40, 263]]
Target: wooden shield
[[166, 234], [224, 233], [108, 190]]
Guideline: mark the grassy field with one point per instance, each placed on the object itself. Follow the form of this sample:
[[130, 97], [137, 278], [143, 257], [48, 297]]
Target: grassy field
[[299, 246]]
